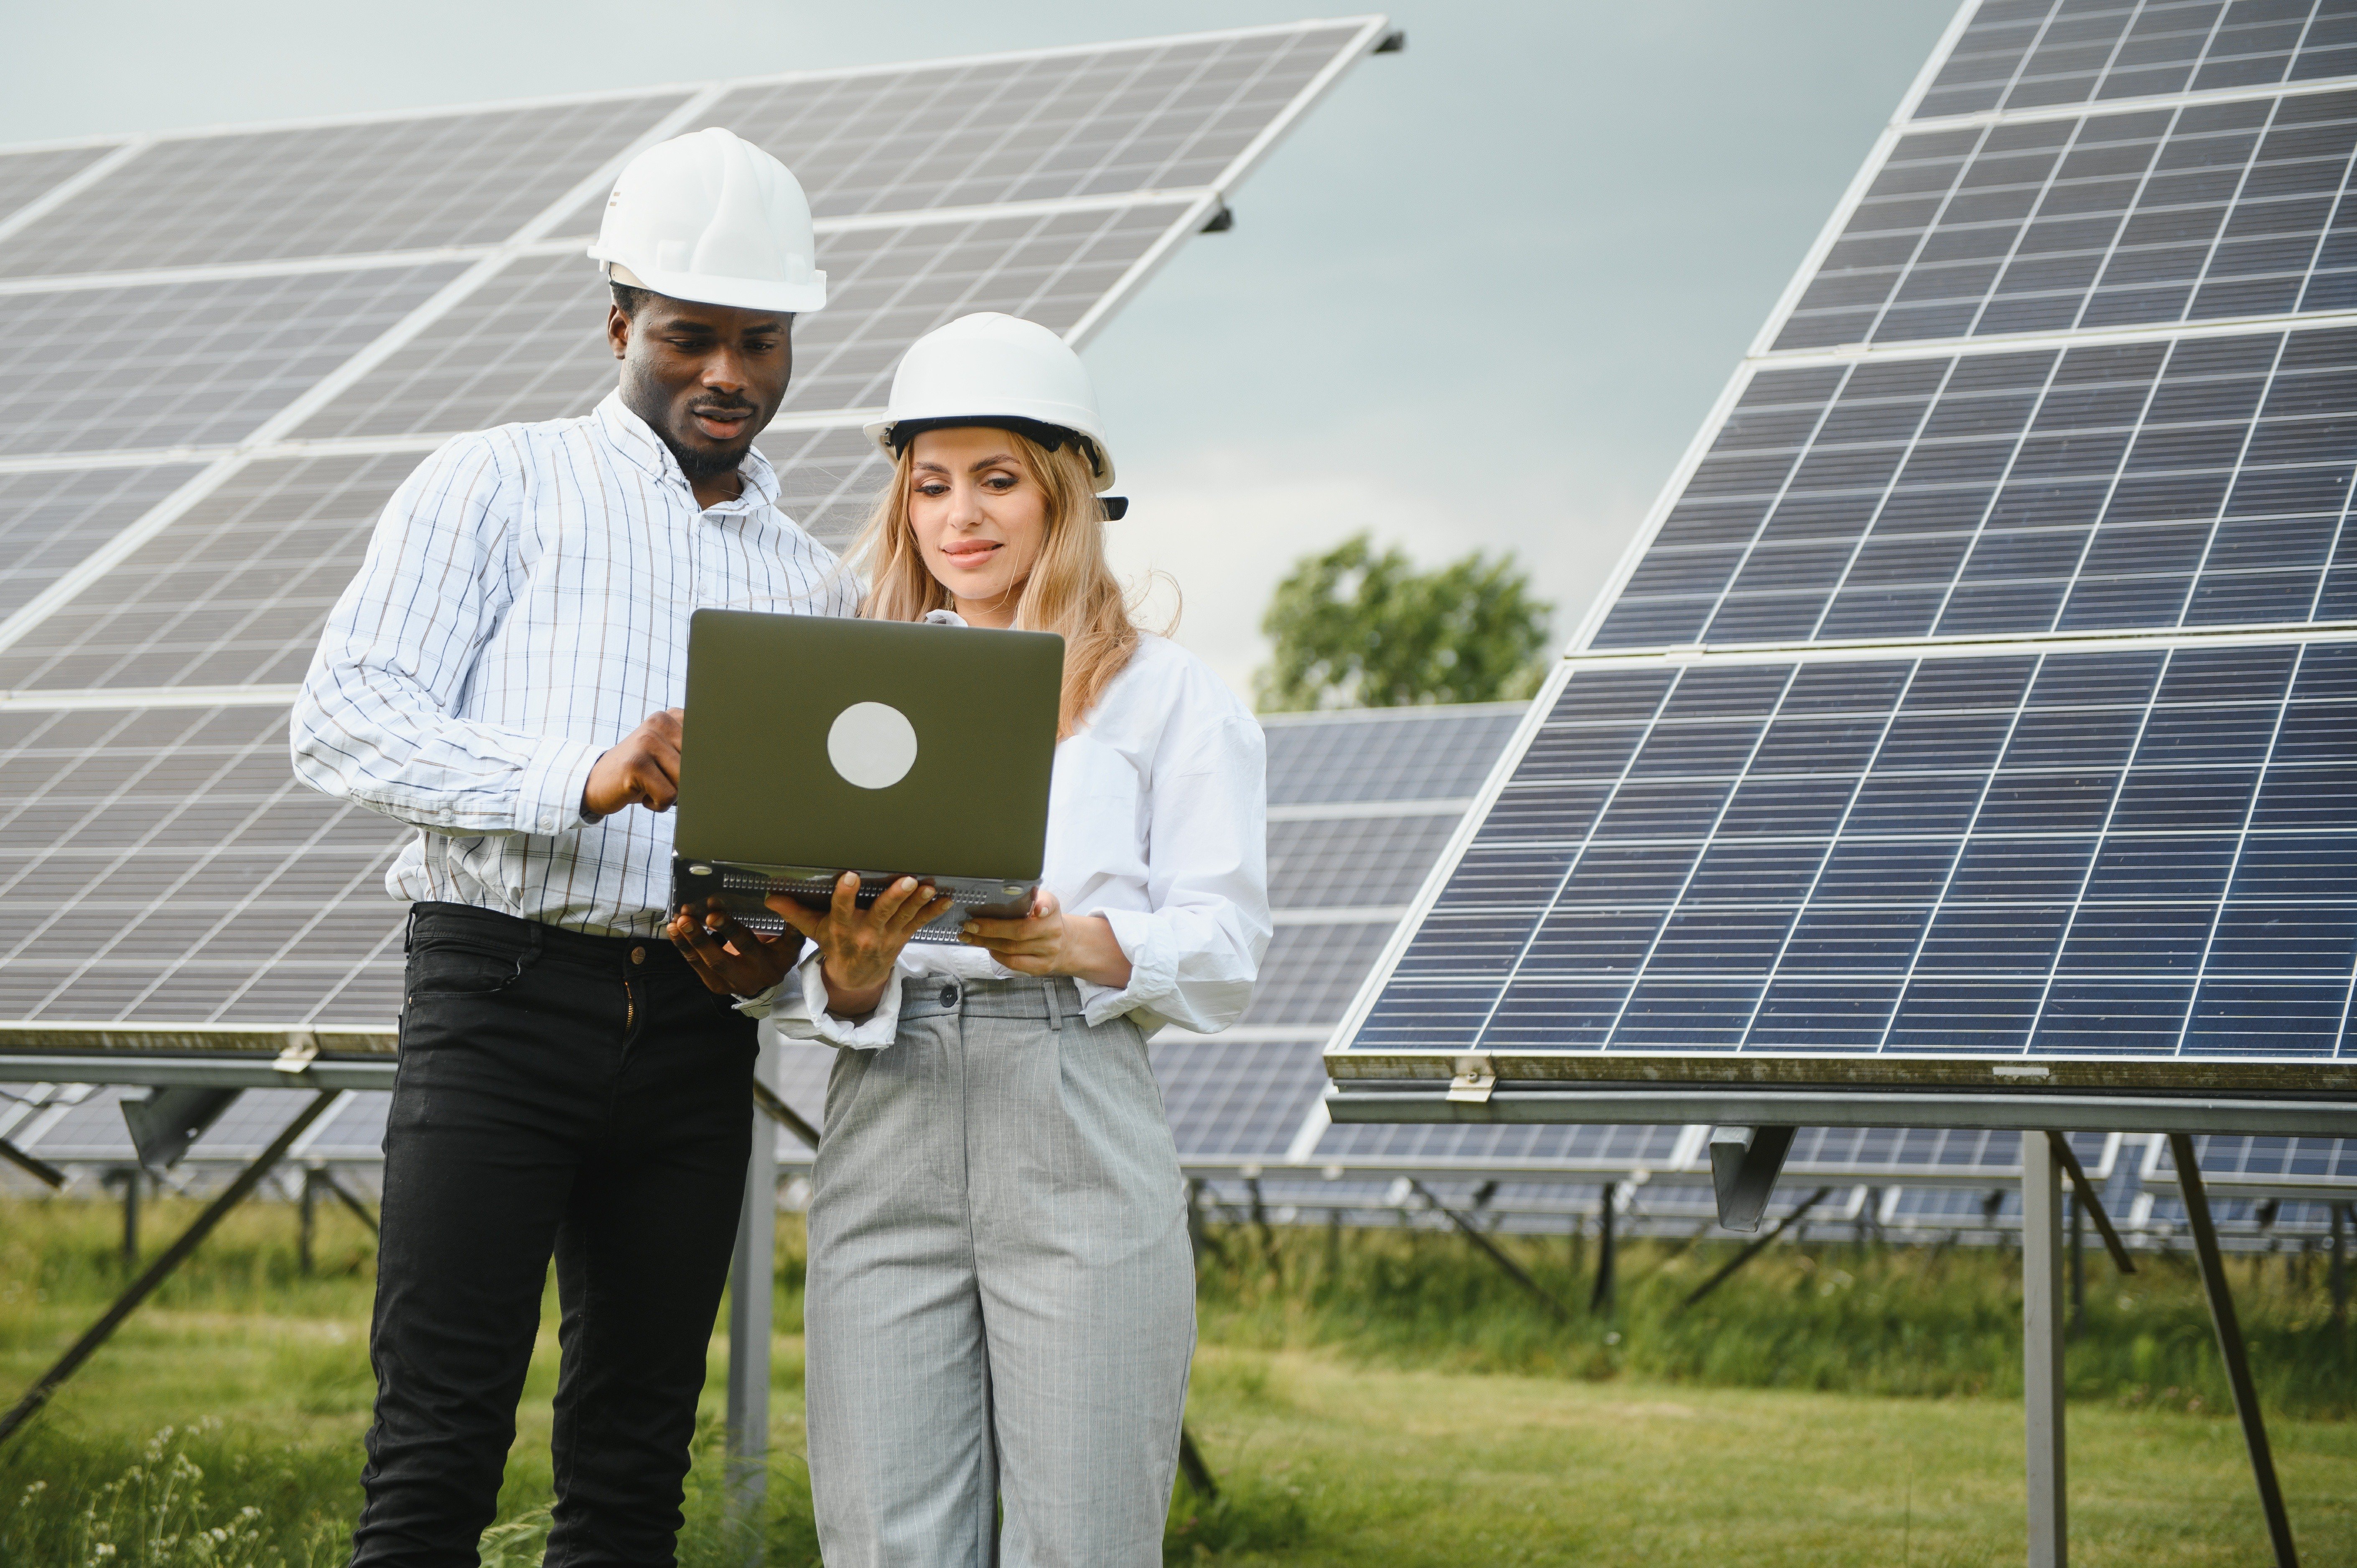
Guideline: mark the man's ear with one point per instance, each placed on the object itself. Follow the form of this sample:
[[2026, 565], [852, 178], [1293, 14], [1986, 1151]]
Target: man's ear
[[617, 330]]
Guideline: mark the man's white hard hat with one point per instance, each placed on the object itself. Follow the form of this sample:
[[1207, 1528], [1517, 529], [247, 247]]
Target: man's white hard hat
[[1000, 370], [711, 218]]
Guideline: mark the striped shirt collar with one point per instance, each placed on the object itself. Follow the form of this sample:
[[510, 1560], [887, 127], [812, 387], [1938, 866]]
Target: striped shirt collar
[[635, 439]]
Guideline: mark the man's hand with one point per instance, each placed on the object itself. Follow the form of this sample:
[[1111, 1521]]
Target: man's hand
[[859, 946], [642, 771], [1052, 942], [730, 960]]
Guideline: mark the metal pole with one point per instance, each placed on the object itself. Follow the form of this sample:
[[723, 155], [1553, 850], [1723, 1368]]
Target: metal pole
[[2229, 1347], [2337, 1279], [2041, 1349], [2078, 1260], [309, 1224], [1600, 1299], [1800, 1212], [130, 1175], [1497, 1254], [160, 1270], [751, 1275]]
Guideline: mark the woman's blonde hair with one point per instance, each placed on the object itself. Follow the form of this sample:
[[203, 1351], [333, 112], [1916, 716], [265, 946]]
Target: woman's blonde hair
[[1072, 590]]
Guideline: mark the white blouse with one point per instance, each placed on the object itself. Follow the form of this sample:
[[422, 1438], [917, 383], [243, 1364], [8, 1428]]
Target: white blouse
[[1157, 820]]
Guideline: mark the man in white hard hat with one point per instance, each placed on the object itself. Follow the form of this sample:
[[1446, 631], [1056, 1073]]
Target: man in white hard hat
[[503, 675]]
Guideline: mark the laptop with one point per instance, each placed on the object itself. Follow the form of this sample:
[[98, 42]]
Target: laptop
[[817, 745]]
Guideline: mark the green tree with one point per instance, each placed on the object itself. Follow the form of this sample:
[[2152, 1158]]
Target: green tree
[[1355, 629]]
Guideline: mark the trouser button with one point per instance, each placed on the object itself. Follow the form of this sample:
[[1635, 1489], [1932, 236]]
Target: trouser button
[[948, 995], [638, 955]]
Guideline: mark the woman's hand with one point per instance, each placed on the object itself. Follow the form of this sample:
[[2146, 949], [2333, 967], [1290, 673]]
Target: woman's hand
[[1052, 942], [729, 959], [859, 946]]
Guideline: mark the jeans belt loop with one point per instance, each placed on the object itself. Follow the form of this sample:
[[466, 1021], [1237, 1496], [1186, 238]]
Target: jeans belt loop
[[409, 929]]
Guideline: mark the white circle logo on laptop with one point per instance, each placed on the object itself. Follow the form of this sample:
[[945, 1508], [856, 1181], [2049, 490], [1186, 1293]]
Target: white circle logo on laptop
[[872, 745]]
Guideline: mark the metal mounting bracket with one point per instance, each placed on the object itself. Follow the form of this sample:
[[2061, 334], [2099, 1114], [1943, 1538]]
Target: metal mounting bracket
[[1744, 1163], [302, 1050], [1474, 1080], [167, 1121]]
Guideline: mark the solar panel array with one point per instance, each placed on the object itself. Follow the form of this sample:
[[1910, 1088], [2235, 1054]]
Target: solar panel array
[[1984, 684], [220, 351]]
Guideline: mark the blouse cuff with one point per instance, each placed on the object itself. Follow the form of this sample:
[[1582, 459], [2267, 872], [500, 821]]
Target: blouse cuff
[[548, 794], [800, 1011], [1153, 967]]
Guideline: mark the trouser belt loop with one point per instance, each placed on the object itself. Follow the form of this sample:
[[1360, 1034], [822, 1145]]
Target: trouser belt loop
[[1055, 1014], [409, 928]]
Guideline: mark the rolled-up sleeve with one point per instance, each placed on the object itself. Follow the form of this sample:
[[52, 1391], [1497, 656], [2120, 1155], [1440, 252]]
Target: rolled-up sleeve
[[1195, 956], [796, 1007], [374, 722]]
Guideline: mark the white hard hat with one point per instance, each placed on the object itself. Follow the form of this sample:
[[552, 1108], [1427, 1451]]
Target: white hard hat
[[712, 218], [1000, 370]]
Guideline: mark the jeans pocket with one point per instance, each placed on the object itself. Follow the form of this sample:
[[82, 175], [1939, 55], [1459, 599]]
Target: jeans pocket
[[456, 969]]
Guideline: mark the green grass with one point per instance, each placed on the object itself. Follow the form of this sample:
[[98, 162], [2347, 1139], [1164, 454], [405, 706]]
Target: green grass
[[1380, 1397]]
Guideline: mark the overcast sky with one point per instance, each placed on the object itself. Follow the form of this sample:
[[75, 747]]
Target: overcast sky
[[1481, 299]]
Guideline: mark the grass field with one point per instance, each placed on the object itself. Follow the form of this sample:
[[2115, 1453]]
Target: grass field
[[1375, 1397]]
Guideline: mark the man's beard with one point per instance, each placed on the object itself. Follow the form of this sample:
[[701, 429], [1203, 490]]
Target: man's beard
[[702, 465]]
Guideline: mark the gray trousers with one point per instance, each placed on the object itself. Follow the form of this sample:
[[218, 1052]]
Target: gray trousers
[[1001, 1298]]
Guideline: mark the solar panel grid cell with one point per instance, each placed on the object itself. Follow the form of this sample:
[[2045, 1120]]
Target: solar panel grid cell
[[2121, 854], [1236, 1099], [2198, 214], [232, 592], [163, 863], [2151, 485], [2022, 54], [1365, 757], [28, 176], [50, 522], [190, 363], [322, 190]]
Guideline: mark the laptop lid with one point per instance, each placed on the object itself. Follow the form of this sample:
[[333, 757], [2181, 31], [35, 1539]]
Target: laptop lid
[[882, 746]]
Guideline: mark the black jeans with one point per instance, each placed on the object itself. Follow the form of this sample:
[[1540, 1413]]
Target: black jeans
[[567, 1094]]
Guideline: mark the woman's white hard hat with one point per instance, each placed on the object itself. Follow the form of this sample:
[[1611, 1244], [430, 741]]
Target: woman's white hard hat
[[994, 369], [711, 218]]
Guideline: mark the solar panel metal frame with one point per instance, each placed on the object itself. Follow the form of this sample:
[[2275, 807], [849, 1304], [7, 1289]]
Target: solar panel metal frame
[[1762, 1087]]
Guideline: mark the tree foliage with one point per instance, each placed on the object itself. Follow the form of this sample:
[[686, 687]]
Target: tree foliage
[[1355, 629]]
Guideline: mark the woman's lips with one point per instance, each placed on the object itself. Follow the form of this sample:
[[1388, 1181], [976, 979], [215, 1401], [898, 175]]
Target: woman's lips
[[971, 553]]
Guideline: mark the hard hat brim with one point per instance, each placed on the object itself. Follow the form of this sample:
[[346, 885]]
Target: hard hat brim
[[880, 431], [739, 293]]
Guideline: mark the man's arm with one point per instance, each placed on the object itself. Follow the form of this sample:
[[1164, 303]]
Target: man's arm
[[373, 723]]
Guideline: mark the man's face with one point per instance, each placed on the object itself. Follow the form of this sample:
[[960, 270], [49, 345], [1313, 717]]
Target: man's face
[[708, 377]]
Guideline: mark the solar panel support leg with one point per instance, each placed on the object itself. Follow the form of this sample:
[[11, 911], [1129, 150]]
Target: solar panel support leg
[[160, 1271], [1744, 1164], [2337, 1278], [2229, 1345], [130, 1176], [2041, 1349], [1496, 1254], [751, 1276], [307, 1226], [1601, 1298]]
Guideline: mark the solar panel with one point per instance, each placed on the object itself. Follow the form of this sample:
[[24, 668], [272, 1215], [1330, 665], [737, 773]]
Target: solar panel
[[304, 310], [2021, 54], [2151, 485], [383, 183], [2264, 1166], [1156, 115], [1980, 689], [2191, 213], [189, 363]]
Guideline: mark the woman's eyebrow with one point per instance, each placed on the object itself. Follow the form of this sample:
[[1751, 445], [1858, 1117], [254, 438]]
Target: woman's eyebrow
[[1003, 460]]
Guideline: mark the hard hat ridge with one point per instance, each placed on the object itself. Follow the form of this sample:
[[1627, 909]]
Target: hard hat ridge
[[710, 217]]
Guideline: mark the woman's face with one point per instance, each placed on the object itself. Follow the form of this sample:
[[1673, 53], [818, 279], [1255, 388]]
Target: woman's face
[[980, 516]]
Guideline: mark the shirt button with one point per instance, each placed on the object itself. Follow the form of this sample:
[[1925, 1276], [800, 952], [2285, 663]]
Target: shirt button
[[948, 995], [638, 955]]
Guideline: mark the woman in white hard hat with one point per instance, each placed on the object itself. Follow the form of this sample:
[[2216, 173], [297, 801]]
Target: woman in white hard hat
[[1001, 1295]]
